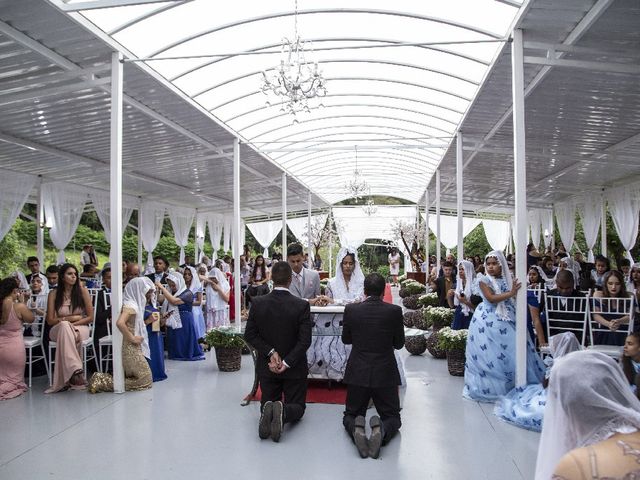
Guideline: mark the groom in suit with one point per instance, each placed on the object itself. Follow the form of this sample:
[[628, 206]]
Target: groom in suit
[[279, 328], [375, 329], [305, 283]]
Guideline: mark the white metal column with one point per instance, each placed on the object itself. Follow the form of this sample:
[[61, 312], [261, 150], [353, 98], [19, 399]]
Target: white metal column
[[140, 264], [115, 193], [237, 238], [520, 189], [284, 215], [426, 237], [459, 167], [603, 228], [437, 221], [309, 242], [196, 251], [40, 226]]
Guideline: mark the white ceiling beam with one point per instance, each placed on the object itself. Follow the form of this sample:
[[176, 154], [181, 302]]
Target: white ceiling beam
[[609, 67], [36, 93], [66, 6]]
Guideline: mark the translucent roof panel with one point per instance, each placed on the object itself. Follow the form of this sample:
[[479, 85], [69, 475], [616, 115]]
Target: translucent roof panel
[[399, 77]]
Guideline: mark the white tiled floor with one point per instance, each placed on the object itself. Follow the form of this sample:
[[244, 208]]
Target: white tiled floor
[[192, 426]]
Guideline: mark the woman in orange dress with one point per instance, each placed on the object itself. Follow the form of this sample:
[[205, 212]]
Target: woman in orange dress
[[69, 313], [12, 352]]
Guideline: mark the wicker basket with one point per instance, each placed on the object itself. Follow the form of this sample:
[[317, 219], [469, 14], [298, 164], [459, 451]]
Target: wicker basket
[[228, 358], [432, 346], [416, 345], [455, 362]]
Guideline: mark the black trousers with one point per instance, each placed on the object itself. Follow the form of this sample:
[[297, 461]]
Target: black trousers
[[294, 392], [386, 401]]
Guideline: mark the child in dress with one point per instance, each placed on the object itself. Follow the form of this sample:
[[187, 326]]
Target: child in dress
[[491, 345], [630, 361]]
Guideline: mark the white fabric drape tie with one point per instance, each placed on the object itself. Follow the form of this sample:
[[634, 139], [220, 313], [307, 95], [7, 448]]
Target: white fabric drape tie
[[591, 215], [534, 224], [152, 218], [201, 225], [14, 191], [216, 223], [299, 227], [63, 207], [265, 233], [497, 233], [226, 233], [181, 220], [102, 203], [546, 220], [566, 217], [624, 205]]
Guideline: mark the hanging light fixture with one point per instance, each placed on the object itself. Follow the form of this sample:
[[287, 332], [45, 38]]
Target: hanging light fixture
[[295, 81], [357, 187], [370, 208]]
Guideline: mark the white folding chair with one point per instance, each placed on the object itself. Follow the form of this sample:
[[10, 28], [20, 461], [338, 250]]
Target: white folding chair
[[607, 307], [106, 341], [86, 347], [566, 314], [35, 341]]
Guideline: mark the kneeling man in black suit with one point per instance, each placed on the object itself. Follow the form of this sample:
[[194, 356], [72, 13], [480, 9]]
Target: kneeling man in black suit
[[375, 329], [279, 328]]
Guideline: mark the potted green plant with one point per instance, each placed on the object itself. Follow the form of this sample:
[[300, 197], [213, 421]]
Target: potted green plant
[[428, 300], [454, 342], [228, 345], [439, 317]]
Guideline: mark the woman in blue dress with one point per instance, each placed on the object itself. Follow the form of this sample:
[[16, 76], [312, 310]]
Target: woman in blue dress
[[182, 342], [156, 345], [192, 282], [524, 406], [462, 298], [536, 321], [491, 344]]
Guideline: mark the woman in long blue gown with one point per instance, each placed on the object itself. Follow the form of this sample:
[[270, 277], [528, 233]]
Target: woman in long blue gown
[[524, 406], [491, 345], [156, 345], [182, 342]]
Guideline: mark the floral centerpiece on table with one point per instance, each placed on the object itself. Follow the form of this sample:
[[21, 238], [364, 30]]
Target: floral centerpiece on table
[[428, 300], [454, 342], [228, 345]]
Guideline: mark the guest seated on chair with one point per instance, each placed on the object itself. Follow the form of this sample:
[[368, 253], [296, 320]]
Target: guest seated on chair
[[630, 361], [597, 274], [565, 287], [609, 313], [445, 284], [52, 276], [69, 313]]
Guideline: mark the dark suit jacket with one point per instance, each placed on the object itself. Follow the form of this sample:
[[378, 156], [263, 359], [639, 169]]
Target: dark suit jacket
[[152, 277], [280, 321], [375, 329], [441, 290]]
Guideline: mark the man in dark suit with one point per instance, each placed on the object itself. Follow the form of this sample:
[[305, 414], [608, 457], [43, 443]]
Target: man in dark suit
[[444, 284], [160, 265], [375, 329], [279, 328]]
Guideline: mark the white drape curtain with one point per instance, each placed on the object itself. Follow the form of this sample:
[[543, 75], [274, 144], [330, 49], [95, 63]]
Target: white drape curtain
[[102, 203], [534, 225], [216, 222], [181, 221], [496, 232], [449, 228], [566, 218], [546, 221], [299, 228], [14, 190], [590, 209], [226, 233], [201, 226], [355, 226], [151, 220], [624, 205], [63, 206], [265, 233]]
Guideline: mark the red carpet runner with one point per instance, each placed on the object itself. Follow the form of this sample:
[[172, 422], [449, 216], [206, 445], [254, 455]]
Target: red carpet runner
[[320, 391]]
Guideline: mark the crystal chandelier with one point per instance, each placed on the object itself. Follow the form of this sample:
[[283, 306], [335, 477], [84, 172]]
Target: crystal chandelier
[[295, 81], [370, 208], [357, 187]]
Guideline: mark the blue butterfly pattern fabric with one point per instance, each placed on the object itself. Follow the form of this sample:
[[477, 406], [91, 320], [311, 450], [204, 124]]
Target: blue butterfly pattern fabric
[[490, 353]]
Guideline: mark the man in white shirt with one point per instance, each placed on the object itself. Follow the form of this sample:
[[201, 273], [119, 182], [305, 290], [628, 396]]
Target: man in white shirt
[[305, 282]]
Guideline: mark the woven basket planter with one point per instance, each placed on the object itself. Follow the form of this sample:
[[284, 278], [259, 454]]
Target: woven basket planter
[[416, 345], [455, 362], [228, 358], [432, 346]]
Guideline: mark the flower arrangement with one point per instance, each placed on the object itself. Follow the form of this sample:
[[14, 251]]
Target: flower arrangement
[[225, 337], [438, 317], [411, 287], [449, 339], [428, 300], [402, 278]]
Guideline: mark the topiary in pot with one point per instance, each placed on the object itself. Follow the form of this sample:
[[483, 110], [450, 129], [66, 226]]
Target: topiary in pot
[[415, 345], [411, 302], [433, 347], [403, 292], [420, 320], [228, 347], [407, 319]]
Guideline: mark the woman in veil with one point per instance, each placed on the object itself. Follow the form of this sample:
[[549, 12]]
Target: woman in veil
[[348, 284]]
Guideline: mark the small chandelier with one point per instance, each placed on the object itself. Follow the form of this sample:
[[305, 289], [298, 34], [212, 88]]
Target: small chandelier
[[295, 81], [357, 187], [369, 208]]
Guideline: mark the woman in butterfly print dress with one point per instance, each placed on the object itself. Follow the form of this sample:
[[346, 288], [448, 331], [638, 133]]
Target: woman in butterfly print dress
[[491, 344]]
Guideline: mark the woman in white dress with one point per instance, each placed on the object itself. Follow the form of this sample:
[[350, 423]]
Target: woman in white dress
[[394, 265], [217, 289]]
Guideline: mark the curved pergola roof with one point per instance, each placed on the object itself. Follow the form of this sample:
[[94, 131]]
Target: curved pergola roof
[[399, 80]]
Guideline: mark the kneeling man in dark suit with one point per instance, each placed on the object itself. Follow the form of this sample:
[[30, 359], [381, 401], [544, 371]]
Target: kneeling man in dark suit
[[375, 329], [279, 328]]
